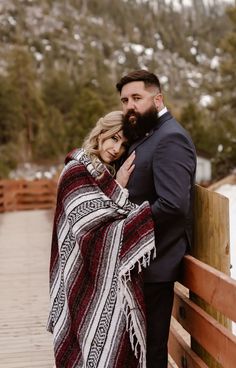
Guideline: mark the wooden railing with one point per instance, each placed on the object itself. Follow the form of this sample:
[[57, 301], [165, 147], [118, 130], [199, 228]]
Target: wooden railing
[[217, 289], [205, 297], [18, 195]]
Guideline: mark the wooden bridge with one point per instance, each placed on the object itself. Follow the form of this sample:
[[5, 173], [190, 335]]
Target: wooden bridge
[[24, 254], [199, 337]]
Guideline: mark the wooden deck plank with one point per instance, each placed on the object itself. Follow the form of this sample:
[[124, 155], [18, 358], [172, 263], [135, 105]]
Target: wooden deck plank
[[24, 251]]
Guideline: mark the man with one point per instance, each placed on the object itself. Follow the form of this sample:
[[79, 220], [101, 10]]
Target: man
[[165, 164]]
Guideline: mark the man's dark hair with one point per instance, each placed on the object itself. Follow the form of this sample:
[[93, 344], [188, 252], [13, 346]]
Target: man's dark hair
[[148, 78]]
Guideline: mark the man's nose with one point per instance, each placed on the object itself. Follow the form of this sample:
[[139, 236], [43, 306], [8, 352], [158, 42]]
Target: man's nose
[[130, 105]]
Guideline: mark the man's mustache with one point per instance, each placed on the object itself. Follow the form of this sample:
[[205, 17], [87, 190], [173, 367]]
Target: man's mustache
[[132, 116]]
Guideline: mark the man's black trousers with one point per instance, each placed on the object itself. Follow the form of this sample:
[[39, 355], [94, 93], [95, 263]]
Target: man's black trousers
[[159, 302]]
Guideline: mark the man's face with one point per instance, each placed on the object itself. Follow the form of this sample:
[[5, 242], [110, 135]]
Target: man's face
[[136, 99], [140, 107]]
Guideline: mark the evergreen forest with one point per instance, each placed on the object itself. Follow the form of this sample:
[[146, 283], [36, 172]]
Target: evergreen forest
[[60, 61]]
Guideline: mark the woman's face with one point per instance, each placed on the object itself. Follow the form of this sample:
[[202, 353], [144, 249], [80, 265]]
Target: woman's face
[[111, 149]]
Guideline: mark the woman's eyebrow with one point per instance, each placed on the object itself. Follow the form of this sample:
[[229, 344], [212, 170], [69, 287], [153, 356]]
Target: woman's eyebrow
[[118, 135]]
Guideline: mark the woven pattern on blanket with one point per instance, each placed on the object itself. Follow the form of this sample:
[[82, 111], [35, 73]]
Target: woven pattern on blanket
[[100, 243]]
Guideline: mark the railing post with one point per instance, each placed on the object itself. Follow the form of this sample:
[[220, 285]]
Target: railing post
[[211, 246]]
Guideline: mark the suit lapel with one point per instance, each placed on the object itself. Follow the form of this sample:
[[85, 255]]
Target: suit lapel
[[163, 119], [137, 143]]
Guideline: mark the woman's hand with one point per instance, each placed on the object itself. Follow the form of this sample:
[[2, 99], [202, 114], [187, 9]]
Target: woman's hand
[[123, 174]]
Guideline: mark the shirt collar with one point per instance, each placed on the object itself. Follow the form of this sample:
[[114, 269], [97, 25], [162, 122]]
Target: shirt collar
[[162, 112]]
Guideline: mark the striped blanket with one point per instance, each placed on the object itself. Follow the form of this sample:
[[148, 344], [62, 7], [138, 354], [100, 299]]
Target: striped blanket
[[100, 243]]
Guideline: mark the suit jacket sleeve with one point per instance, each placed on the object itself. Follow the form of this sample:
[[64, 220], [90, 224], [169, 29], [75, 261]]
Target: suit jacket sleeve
[[174, 164]]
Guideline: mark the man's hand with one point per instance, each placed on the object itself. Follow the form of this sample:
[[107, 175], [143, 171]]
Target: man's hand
[[123, 174]]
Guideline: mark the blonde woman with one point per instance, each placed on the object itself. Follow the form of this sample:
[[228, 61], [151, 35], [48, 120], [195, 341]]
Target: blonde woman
[[100, 243], [107, 143]]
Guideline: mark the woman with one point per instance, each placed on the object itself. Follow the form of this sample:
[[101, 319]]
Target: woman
[[100, 242]]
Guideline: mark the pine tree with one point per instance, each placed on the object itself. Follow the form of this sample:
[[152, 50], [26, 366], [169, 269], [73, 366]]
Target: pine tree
[[225, 107], [28, 102]]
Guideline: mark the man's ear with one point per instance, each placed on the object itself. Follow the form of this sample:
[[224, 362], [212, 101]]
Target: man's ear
[[158, 101]]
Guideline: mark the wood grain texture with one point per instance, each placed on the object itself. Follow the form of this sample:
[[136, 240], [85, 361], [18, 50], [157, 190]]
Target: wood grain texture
[[24, 252], [216, 288], [208, 332]]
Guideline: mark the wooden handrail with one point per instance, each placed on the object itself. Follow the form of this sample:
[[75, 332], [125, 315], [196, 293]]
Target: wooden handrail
[[181, 352], [18, 195], [212, 336], [217, 289]]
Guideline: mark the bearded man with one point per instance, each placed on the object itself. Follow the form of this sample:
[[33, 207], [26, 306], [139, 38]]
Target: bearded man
[[164, 174]]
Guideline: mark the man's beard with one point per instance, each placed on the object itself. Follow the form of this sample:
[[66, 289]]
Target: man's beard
[[136, 125]]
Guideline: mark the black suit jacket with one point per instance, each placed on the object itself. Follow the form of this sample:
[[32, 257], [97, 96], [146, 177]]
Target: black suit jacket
[[164, 175]]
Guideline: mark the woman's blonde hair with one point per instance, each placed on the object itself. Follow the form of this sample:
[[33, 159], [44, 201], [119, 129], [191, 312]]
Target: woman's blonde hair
[[109, 125]]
